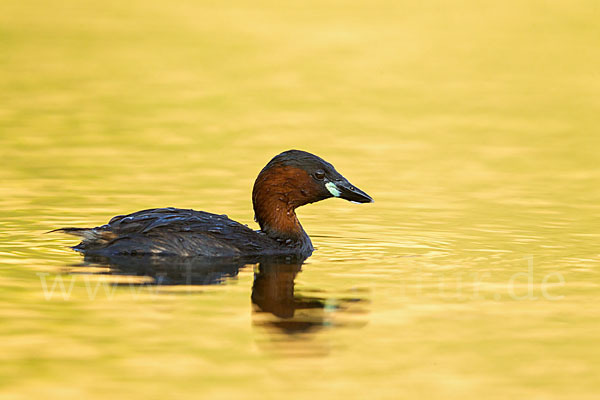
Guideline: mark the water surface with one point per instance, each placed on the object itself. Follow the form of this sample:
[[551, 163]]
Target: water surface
[[474, 127]]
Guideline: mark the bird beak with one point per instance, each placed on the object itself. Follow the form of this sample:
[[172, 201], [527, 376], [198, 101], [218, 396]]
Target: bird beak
[[345, 190]]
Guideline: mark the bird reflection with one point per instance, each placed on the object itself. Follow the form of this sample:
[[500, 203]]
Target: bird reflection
[[172, 270], [273, 293], [276, 305]]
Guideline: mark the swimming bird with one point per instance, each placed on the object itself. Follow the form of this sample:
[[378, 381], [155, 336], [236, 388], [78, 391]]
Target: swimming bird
[[290, 180]]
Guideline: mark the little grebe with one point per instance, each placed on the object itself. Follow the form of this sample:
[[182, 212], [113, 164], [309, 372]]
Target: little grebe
[[290, 180]]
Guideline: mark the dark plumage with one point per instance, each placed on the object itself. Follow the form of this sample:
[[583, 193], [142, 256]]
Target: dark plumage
[[289, 180]]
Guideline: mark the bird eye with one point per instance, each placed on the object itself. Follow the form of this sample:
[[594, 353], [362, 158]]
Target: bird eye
[[319, 174]]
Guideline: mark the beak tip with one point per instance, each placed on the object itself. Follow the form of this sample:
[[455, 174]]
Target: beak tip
[[343, 189], [364, 200]]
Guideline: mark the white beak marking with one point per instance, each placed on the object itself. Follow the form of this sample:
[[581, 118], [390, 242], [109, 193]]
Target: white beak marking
[[333, 189]]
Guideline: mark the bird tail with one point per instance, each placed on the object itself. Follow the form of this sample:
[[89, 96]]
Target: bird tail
[[89, 235], [72, 231]]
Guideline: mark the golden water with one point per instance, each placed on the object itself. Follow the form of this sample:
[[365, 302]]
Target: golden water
[[474, 126]]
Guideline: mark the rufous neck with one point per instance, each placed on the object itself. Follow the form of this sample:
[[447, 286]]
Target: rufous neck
[[274, 199]]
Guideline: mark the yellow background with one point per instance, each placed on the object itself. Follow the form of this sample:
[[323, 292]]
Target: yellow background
[[473, 125]]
